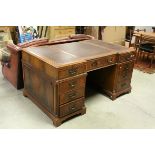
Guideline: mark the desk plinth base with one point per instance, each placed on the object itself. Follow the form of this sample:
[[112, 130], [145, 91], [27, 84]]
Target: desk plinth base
[[114, 95], [57, 121]]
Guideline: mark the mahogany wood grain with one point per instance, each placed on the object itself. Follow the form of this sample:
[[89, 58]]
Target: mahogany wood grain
[[55, 75]]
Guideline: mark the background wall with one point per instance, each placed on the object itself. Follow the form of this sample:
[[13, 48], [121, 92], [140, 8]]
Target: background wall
[[55, 32], [95, 31], [114, 34], [148, 28]]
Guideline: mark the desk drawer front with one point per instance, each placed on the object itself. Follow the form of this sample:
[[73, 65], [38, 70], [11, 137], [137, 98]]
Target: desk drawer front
[[123, 85], [127, 57], [71, 95], [109, 60], [32, 61], [74, 83], [125, 71], [72, 70], [71, 107], [101, 62]]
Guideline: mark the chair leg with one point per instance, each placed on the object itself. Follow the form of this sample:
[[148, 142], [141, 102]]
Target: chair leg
[[140, 56], [152, 57], [137, 55], [143, 56], [129, 44]]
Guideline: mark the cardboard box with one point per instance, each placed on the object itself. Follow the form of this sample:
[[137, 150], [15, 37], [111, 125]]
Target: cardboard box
[[5, 33], [3, 44]]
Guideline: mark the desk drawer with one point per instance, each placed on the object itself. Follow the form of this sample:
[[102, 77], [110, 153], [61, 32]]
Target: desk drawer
[[101, 62], [72, 70], [72, 83], [109, 60], [32, 61], [71, 107], [125, 71], [71, 95], [123, 85], [127, 57]]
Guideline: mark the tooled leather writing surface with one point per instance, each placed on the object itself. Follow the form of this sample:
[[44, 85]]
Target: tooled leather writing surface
[[61, 54], [111, 46]]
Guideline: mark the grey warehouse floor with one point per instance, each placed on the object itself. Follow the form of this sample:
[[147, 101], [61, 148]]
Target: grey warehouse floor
[[134, 110]]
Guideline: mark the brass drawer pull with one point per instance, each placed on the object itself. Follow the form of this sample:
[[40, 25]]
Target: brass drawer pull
[[72, 108], [128, 58], [72, 84], [110, 60], [72, 95], [123, 84], [72, 71]]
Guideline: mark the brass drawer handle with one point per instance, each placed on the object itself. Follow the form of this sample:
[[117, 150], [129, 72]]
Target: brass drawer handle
[[72, 95], [110, 60], [72, 108], [123, 84], [72, 71], [72, 84]]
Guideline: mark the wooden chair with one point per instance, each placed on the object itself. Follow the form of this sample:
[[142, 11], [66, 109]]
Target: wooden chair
[[131, 38], [146, 50], [153, 28]]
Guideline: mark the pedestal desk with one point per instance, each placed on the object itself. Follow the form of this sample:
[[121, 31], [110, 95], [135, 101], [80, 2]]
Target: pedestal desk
[[55, 75]]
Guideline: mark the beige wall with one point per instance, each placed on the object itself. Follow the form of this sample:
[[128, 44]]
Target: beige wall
[[114, 34], [5, 33], [55, 32], [147, 28], [95, 31]]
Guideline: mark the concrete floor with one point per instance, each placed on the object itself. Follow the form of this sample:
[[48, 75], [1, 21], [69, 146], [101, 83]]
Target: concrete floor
[[134, 110]]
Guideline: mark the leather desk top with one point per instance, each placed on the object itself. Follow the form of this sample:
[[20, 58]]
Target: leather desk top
[[63, 54]]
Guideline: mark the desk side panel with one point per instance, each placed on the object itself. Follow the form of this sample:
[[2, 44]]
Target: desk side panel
[[39, 82]]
